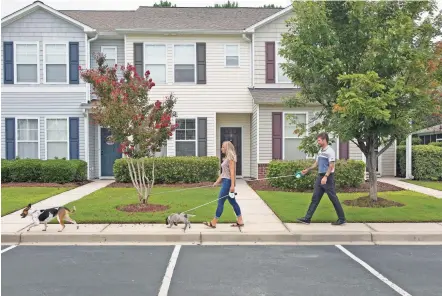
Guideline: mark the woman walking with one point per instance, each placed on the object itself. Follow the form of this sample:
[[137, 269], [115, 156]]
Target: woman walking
[[228, 181]]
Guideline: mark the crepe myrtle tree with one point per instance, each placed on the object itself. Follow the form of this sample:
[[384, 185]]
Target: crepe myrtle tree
[[140, 126], [372, 66]]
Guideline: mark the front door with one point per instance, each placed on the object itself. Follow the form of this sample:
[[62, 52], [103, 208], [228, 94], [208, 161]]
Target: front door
[[109, 153], [233, 134]]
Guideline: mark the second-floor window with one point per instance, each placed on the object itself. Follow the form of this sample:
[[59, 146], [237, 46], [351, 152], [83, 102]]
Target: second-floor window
[[155, 61], [111, 55], [184, 62], [280, 76], [232, 55], [27, 60], [56, 63]]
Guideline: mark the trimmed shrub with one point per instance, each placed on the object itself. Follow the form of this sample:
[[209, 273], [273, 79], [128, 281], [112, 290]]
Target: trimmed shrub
[[44, 171], [438, 144], [414, 141], [426, 162], [349, 173], [170, 170]]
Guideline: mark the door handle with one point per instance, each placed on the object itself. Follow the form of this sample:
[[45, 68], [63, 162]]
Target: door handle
[[101, 152]]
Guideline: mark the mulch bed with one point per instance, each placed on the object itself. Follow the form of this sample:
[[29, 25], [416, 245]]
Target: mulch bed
[[30, 184], [366, 202], [180, 185], [138, 208], [263, 185]]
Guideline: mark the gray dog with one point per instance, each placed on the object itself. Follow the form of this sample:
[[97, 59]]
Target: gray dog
[[176, 218]]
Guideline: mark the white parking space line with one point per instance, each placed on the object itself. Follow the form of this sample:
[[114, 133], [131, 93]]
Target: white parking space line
[[169, 271], [374, 272], [8, 248]]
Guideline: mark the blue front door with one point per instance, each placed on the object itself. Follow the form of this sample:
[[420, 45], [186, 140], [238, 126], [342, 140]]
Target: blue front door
[[109, 153]]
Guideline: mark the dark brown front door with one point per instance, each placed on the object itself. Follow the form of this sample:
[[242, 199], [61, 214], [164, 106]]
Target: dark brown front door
[[233, 134]]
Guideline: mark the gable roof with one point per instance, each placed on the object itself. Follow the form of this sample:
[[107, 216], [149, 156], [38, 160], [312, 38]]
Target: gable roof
[[270, 18], [173, 18], [272, 95], [40, 5]]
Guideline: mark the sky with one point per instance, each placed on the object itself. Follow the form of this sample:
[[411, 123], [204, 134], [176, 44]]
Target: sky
[[10, 6]]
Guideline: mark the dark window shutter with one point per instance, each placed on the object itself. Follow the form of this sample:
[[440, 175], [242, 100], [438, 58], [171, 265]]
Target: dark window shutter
[[270, 62], [276, 135], [138, 58], [74, 62], [8, 62], [10, 137], [201, 63], [202, 136], [344, 150], [74, 138]]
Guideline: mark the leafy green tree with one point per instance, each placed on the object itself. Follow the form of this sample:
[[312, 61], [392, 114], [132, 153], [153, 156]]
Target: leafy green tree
[[270, 6], [367, 64], [164, 4], [228, 4]]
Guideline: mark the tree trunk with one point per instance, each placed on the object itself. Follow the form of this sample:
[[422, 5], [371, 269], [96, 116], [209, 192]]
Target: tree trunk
[[139, 179], [372, 175]]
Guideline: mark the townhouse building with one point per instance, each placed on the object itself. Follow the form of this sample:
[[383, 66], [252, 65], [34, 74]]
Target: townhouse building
[[221, 64]]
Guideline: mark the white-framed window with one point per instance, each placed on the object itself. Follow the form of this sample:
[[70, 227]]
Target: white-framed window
[[110, 53], [155, 60], [292, 137], [57, 138], [27, 62], [184, 62], [280, 76], [55, 63], [231, 53], [185, 137], [27, 138]]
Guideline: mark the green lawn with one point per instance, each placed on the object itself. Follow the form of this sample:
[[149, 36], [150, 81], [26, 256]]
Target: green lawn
[[100, 206], [16, 198], [418, 207], [430, 184]]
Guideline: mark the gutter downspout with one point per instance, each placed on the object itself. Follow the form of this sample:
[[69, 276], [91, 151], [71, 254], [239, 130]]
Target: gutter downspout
[[86, 112]]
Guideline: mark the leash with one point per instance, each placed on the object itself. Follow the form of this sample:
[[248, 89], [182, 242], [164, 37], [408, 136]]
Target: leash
[[297, 174]]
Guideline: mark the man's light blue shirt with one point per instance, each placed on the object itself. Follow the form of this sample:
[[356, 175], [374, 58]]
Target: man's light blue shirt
[[324, 158]]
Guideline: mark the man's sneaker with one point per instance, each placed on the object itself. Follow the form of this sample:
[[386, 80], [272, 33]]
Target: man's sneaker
[[303, 220], [339, 222]]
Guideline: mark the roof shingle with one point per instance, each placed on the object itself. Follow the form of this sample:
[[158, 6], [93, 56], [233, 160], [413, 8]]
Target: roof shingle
[[173, 18]]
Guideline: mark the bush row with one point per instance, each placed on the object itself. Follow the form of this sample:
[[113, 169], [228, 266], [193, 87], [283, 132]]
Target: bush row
[[169, 170], [438, 144], [44, 171], [349, 173], [426, 162]]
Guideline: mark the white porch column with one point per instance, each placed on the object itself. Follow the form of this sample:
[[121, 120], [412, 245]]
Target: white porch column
[[408, 158]]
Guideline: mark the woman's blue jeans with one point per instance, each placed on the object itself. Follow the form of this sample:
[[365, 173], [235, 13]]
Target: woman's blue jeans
[[224, 193]]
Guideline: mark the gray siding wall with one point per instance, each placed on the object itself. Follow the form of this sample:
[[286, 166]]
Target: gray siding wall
[[386, 160], [43, 27], [41, 105], [254, 142], [96, 48]]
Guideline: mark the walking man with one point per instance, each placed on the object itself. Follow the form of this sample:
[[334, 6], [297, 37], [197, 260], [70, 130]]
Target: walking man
[[325, 181]]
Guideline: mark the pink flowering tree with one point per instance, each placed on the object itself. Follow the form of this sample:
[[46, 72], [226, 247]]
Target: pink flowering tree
[[140, 126]]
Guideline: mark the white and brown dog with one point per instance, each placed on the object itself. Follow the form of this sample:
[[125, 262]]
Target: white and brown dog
[[44, 216]]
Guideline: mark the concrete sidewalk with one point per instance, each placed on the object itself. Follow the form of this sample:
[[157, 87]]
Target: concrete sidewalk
[[408, 186], [13, 222], [317, 233]]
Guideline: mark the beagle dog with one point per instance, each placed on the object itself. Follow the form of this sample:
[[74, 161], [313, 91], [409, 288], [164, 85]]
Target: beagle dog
[[44, 216]]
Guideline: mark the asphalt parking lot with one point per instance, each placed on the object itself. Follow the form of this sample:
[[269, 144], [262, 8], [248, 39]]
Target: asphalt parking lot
[[221, 270]]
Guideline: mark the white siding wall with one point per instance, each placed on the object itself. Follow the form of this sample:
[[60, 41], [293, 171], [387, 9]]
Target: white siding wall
[[236, 120], [270, 32], [94, 153], [226, 89], [211, 132], [254, 142], [265, 127]]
